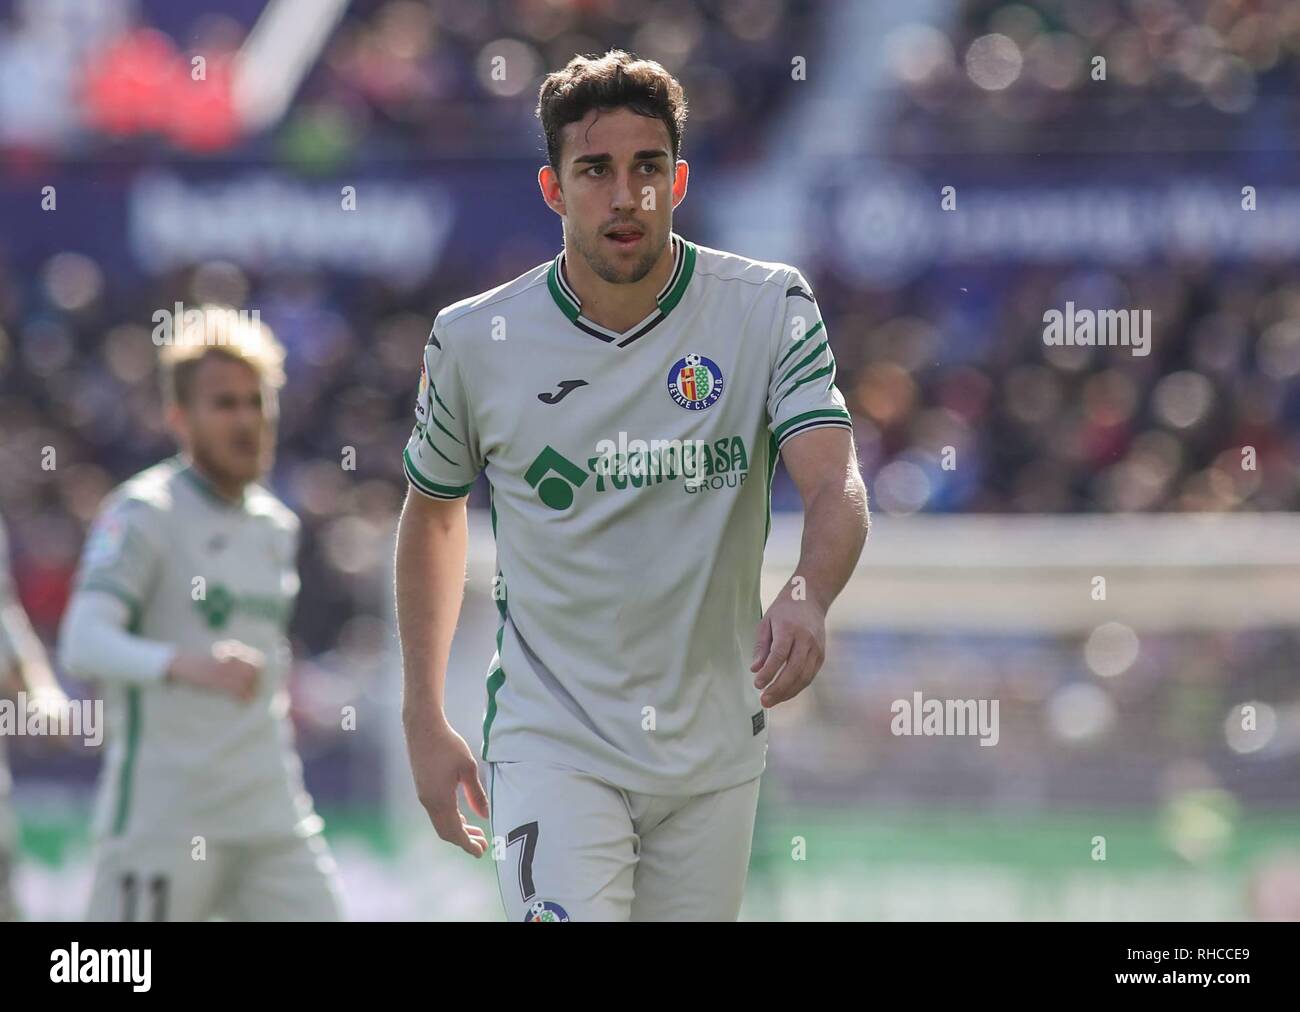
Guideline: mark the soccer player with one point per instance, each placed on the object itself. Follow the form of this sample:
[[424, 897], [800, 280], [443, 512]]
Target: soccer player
[[23, 668], [186, 584], [627, 402]]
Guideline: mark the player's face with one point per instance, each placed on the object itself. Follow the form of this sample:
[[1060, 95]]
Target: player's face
[[618, 188], [227, 426]]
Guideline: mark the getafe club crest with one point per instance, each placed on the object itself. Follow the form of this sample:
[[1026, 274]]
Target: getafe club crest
[[695, 382]]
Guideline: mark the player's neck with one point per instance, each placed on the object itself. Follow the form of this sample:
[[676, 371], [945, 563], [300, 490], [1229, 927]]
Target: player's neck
[[614, 306], [231, 492]]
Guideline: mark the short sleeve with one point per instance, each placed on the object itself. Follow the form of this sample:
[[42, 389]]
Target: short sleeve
[[801, 391], [121, 556], [440, 457]]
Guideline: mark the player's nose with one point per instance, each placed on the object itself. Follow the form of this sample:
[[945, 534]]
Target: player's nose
[[624, 196]]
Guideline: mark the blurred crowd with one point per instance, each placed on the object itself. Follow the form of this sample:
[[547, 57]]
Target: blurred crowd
[[398, 79], [1208, 421], [448, 78], [1172, 75]]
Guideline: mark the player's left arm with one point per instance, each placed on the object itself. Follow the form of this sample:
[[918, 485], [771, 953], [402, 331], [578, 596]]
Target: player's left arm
[[813, 431], [791, 639]]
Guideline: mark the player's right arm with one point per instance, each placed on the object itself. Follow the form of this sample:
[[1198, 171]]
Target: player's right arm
[[432, 544], [431, 551], [119, 568]]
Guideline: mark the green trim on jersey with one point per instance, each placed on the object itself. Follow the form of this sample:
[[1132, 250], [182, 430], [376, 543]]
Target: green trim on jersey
[[810, 357], [800, 343], [442, 427], [444, 407], [827, 371], [684, 257], [432, 488], [434, 447], [773, 451], [668, 304], [497, 676], [126, 777], [828, 413], [567, 306], [495, 680]]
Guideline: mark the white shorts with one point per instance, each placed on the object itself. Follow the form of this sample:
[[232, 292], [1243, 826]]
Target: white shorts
[[571, 846], [289, 879]]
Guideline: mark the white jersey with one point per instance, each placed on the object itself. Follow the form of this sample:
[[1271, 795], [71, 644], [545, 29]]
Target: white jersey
[[196, 569], [631, 481]]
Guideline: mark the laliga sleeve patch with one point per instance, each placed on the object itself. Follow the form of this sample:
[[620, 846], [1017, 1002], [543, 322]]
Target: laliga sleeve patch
[[104, 546], [545, 910]]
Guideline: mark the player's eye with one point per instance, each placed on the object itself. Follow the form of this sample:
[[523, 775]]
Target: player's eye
[[597, 168], [652, 166]]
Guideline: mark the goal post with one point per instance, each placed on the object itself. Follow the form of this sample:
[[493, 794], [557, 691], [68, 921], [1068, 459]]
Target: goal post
[[1062, 573], [1149, 724]]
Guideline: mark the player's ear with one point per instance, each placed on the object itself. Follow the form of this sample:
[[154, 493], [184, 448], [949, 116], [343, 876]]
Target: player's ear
[[549, 182], [681, 174]]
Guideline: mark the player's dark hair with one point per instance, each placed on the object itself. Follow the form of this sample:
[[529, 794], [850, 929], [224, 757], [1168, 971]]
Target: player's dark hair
[[608, 82]]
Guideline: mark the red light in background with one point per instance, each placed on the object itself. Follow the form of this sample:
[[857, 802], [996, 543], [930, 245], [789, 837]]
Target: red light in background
[[203, 112], [128, 89], [143, 84]]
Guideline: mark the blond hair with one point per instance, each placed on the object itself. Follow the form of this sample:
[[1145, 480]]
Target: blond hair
[[218, 330]]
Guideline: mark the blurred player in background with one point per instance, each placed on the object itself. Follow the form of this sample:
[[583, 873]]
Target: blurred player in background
[[185, 588], [23, 668], [625, 727]]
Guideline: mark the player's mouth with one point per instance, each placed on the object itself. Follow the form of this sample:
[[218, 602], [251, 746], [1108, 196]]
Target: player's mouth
[[624, 237]]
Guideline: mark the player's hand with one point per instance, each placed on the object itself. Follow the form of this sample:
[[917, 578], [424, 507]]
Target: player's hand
[[231, 668], [49, 703], [48, 699], [789, 649], [441, 761]]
